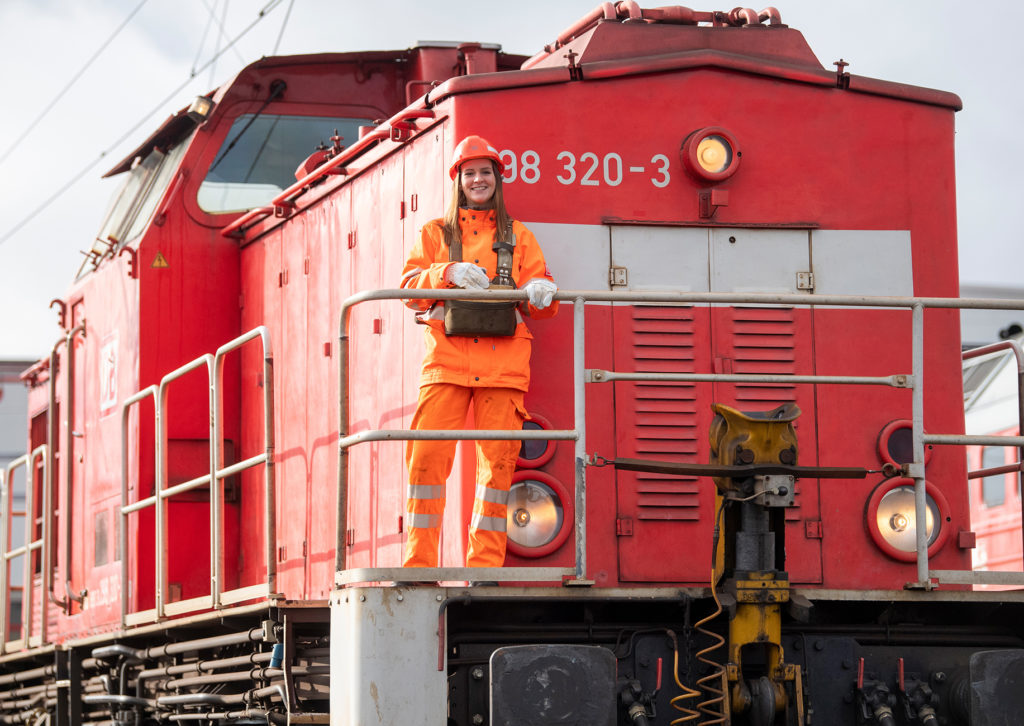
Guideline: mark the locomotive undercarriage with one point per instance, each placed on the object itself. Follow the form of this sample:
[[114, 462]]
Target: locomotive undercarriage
[[896, 660], [253, 664]]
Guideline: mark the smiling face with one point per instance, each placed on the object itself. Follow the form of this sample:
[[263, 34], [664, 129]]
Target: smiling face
[[478, 181]]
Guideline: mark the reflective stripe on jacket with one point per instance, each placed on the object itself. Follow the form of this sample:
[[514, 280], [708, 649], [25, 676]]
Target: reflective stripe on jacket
[[477, 362]]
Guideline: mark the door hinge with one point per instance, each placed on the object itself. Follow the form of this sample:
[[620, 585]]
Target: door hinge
[[813, 529], [624, 527], [617, 276], [805, 281]]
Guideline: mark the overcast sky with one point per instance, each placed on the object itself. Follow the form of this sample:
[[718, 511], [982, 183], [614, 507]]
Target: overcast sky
[[47, 45]]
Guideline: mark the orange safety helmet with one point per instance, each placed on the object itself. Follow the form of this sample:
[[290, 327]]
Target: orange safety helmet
[[475, 147]]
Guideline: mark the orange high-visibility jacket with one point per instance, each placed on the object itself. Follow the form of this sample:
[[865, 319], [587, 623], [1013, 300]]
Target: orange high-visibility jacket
[[502, 362]]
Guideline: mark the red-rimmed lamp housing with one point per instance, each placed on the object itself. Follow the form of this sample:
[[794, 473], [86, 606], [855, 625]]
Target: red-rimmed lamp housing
[[711, 154], [540, 514], [535, 453], [891, 518]]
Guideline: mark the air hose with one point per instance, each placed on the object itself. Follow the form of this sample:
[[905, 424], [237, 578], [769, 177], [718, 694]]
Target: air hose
[[713, 684]]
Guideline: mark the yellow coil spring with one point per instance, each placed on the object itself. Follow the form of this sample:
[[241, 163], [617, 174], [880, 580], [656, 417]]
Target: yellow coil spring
[[687, 692], [714, 684]]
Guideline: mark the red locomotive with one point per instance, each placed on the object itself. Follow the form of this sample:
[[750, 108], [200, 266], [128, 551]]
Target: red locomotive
[[739, 414]]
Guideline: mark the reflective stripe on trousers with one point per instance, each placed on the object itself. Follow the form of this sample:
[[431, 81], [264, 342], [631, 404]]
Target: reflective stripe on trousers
[[444, 406]]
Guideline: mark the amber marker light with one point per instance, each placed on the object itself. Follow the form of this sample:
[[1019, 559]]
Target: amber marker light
[[714, 154], [711, 154]]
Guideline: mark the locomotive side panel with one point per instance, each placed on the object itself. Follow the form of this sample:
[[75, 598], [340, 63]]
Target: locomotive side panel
[[106, 366], [324, 244], [260, 264]]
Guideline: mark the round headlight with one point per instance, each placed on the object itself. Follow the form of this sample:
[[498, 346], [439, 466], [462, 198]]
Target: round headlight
[[892, 518], [711, 154], [896, 519], [539, 514]]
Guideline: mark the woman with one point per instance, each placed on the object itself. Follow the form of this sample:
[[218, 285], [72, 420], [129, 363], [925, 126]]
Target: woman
[[471, 363]]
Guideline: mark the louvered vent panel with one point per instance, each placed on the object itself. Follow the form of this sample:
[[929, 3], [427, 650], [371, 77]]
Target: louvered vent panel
[[665, 413], [763, 340]]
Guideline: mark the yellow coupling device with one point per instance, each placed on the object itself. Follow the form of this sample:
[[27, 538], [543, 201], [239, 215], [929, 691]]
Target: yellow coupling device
[[757, 442]]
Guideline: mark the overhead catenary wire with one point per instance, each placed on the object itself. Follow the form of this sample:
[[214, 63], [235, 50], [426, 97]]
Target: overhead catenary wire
[[202, 40], [88, 167], [222, 33], [220, 25], [284, 25], [70, 84]]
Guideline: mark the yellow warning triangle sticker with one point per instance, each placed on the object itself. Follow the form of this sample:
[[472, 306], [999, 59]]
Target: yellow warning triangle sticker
[[160, 260]]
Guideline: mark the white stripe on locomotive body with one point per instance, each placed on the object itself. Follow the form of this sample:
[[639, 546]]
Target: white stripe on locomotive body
[[862, 262], [722, 259], [577, 254]]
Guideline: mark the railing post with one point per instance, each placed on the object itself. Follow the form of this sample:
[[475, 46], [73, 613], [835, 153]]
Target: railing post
[[122, 530], [917, 433], [26, 565], [580, 424], [269, 472], [159, 480], [52, 441], [70, 594], [216, 457], [341, 515], [46, 551]]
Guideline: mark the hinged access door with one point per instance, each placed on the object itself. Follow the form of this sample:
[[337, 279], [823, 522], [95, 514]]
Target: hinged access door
[[670, 421]]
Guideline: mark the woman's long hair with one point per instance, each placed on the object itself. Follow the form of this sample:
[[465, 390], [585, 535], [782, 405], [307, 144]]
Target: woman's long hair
[[502, 220]]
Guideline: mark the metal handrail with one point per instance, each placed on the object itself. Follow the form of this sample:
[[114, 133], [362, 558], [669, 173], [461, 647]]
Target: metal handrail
[[581, 375], [125, 509], [266, 458], [161, 470], [42, 543], [1014, 347], [213, 478], [52, 439], [70, 594]]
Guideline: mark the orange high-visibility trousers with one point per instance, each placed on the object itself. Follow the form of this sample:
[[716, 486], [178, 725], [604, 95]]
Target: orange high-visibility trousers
[[444, 406]]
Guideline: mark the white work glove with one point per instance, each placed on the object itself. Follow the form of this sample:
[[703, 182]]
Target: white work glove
[[467, 276], [541, 292]]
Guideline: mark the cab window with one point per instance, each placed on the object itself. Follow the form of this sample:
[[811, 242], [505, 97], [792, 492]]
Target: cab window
[[136, 199], [260, 153]]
